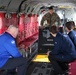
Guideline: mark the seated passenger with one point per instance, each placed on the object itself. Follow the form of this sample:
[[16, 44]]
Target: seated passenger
[[10, 58], [61, 29], [63, 52], [72, 34]]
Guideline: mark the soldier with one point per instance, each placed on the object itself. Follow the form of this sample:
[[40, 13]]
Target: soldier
[[50, 18]]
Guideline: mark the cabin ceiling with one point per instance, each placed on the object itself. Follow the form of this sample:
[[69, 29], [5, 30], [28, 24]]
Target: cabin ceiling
[[13, 5], [10, 5], [55, 1]]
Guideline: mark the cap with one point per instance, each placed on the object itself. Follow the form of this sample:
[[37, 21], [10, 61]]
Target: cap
[[51, 7]]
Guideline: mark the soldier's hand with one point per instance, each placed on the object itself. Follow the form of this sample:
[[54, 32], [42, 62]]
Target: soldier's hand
[[41, 27]]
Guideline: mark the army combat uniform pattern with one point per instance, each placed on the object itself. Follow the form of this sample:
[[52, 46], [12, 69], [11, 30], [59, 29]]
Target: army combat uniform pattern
[[51, 19]]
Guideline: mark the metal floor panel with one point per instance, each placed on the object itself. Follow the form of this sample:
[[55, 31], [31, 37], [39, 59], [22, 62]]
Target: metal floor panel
[[44, 69]]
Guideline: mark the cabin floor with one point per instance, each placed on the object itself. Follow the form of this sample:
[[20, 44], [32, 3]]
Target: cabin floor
[[39, 68], [36, 68]]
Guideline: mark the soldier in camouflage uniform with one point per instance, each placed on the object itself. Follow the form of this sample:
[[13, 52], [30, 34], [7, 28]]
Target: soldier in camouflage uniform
[[51, 18]]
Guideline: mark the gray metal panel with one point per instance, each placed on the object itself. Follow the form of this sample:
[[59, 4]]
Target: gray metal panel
[[13, 6], [4, 4], [44, 69]]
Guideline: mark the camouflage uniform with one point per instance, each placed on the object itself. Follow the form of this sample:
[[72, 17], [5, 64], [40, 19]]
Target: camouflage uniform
[[51, 19]]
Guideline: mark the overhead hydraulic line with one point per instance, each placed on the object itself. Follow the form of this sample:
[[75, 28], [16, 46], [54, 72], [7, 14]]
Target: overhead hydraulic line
[[8, 5], [19, 9]]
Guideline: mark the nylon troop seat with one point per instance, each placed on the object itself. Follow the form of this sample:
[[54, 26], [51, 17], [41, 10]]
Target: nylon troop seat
[[72, 68]]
